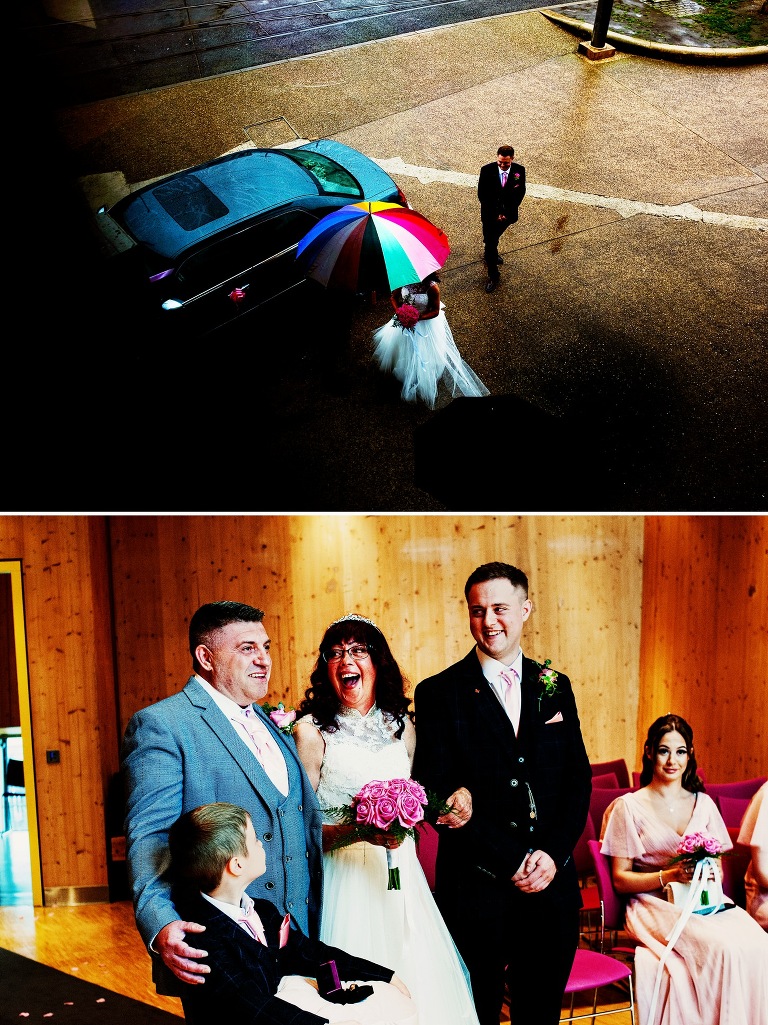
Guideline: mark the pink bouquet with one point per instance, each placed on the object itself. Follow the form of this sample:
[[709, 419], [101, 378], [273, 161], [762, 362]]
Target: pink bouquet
[[406, 316], [284, 718], [697, 846], [392, 806]]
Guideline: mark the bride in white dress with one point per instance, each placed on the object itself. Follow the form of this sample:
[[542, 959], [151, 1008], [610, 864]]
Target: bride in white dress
[[424, 355], [355, 727]]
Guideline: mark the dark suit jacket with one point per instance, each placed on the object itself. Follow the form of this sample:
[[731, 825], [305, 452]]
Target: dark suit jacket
[[245, 974], [493, 199], [465, 739]]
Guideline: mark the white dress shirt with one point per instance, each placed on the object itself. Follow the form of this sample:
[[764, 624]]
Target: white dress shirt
[[492, 670]]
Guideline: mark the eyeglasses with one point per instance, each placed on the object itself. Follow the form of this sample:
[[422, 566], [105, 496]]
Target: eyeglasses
[[357, 651]]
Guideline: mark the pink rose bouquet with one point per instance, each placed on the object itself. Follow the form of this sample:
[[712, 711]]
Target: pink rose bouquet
[[697, 846], [284, 718], [393, 807], [406, 316]]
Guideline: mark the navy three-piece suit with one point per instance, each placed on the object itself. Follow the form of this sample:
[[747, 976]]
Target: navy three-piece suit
[[495, 200], [529, 792]]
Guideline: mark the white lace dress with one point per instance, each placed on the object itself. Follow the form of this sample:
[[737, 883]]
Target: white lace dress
[[401, 929], [424, 356]]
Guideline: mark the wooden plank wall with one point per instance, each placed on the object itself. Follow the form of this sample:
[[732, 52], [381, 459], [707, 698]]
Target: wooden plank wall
[[704, 646], [407, 573], [633, 630]]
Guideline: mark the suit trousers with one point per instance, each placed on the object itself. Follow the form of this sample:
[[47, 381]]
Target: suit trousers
[[492, 232], [527, 941]]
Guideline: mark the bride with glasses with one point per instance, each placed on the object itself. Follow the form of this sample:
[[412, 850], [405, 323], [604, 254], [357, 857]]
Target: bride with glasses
[[355, 726]]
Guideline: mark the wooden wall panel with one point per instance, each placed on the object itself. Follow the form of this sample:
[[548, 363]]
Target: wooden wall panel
[[72, 695], [407, 573], [704, 651]]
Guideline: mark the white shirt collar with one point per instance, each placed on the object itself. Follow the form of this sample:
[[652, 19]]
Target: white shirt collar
[[235, 911], [229, 707], [492, 668]]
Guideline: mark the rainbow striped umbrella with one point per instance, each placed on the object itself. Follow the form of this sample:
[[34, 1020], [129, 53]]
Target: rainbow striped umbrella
[[372, 247]]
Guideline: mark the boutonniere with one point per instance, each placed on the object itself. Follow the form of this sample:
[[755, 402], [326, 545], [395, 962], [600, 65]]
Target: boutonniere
[[517, 175], [284, 718], [547, 679]]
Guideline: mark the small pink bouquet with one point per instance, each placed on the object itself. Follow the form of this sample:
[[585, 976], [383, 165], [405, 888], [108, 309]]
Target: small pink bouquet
[[697, 846], [392, 806], [406, 316], [284, 718]]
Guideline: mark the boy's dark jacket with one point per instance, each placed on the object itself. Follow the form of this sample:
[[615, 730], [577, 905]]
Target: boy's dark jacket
[[245, 974]]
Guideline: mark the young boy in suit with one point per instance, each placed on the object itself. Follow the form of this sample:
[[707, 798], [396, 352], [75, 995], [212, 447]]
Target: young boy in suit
[[259, 963]]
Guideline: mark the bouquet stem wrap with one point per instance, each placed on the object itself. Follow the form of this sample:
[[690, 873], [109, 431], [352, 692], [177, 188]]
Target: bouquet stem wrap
[[393, 871]]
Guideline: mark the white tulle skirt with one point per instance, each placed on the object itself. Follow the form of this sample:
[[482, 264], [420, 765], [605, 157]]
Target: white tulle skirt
[[401, 929], [424, 357]]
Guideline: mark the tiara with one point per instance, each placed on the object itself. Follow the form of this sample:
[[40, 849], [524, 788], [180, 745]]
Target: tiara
[[353, 617]]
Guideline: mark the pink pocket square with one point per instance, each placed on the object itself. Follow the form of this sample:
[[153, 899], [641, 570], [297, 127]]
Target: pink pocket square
[[285, 929], [555, 718]]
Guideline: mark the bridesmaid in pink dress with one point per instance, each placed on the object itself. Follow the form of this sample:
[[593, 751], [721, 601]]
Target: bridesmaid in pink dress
[[717, 970], [754, 834]]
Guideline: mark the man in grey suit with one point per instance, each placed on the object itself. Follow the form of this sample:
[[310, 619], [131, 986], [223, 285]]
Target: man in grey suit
[[210, 742], [506, 728]]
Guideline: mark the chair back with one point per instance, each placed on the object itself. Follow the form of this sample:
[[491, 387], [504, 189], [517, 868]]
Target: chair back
[[614, 905], [582, 857], [426, 850], [599, 801], [618, 765], [742, 788], [732, 809], [735, 864], [606, 780]]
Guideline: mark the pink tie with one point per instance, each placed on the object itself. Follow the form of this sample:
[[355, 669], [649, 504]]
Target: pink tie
[[253, 924], [503, 179], [511, 697], [268, 752]]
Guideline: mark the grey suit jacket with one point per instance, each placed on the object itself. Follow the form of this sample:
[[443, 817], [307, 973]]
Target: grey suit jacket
[[182, 752]]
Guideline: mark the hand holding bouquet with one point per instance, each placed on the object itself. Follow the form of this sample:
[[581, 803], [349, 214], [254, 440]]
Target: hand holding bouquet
[[392, 807]]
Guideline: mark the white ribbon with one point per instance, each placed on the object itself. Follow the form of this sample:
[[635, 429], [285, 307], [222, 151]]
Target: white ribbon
[[699, 880]]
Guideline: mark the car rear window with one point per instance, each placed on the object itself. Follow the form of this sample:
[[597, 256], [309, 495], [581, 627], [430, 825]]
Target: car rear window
[[333, 179]]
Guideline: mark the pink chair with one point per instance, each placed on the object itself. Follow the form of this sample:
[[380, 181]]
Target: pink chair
[[735, 864], [426, 850], [732, 809], [590, 895], [618, 765], [591, 971], [600, 799], [742, 788], [606, 780], [613, 907]]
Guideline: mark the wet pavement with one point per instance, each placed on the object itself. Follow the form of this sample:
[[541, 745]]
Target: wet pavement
[[626, 350]]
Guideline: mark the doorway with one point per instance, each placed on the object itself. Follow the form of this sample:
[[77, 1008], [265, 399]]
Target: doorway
[[20, 874]]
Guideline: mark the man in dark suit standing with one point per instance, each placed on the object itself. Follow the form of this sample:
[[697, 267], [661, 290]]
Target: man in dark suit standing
[[500, 189], [505, 729]]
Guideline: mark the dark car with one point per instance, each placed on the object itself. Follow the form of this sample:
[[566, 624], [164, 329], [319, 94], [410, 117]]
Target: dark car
[[219, 240]]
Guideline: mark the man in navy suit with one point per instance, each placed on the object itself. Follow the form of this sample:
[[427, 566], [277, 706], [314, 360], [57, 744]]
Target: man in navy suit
[[506, 729], [500, 189], [198, 746]]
